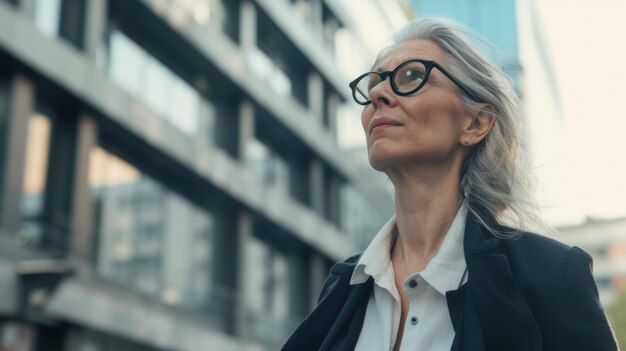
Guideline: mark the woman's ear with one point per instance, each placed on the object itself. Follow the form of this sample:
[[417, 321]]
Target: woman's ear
[[477, 125]]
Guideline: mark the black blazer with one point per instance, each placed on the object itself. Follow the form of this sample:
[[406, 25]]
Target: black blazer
[[529, 293]]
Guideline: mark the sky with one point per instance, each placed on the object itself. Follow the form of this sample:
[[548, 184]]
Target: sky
[[580, 151]]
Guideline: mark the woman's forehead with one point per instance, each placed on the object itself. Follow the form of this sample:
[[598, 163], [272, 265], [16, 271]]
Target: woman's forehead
[[414, 49]]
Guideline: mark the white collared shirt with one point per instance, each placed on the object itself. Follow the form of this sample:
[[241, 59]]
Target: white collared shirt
[[428, 325]]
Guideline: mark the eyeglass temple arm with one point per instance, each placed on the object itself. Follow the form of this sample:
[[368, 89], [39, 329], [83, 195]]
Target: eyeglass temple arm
[[457, 82]]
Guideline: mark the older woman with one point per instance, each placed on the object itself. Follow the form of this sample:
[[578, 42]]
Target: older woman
[[445, 273]]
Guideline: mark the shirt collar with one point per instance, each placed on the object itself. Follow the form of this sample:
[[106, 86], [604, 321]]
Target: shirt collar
[[375, 259], [443, 272]]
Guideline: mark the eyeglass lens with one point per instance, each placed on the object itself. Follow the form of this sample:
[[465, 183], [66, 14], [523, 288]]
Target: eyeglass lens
[[406, 78]]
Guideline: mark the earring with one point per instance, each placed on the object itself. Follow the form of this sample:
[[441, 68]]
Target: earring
[[466, 141]]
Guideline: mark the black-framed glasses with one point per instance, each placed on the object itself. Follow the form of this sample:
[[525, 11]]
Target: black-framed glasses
[[406, 79]]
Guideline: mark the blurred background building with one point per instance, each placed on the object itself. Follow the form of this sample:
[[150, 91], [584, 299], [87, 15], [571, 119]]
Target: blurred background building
[[605, 241], [171, 171]]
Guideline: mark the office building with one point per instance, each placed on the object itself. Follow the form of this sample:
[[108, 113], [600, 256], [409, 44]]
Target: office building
[[170, 176]]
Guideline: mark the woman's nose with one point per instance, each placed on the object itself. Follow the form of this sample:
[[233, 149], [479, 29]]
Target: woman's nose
[[382, 94]]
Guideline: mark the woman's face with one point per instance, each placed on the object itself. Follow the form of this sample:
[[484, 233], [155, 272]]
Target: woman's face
[[426, 127]]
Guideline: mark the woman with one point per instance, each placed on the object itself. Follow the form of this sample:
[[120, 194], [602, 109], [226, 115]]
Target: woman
[[443, 123]]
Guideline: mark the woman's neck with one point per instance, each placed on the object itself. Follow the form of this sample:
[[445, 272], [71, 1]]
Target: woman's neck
[[425, 210]]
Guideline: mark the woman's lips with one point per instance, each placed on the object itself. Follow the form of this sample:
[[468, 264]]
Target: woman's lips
[[380, 123]]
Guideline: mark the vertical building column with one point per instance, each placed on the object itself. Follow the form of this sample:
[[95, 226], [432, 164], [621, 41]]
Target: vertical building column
[[246, 126], [56, 214], [332, 201], [316, 95], [299, 283], [247, 25], [20, 107], [81, 225], [317, 186], [227, 265], [244, 234], [95, 26], [332, 106], [317, 276], [317, 17]]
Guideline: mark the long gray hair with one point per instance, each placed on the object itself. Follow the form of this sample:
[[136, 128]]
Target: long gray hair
[[496, 177]]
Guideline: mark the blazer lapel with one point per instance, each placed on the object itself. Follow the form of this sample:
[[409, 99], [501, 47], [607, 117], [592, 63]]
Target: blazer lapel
[[490, 303]]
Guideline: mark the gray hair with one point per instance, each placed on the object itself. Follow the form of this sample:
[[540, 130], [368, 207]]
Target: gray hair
[[496, 181]]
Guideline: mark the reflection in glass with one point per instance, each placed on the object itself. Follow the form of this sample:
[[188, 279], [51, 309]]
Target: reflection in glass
[[35, 175], [267, 289], [358, 217], [267, 166], [47, 16], [267, 70], [143, 76], [150, 238]]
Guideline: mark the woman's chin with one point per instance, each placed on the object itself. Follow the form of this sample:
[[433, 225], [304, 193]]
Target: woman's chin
[[380, 161]]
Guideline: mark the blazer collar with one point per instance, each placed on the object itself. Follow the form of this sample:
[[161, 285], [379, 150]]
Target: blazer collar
[[490, 301]]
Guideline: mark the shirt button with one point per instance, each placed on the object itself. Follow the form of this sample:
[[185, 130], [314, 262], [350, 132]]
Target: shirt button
[[414, 320], [412, 283]]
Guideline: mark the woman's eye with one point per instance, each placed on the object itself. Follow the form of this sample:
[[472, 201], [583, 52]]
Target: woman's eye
[[411, 75]]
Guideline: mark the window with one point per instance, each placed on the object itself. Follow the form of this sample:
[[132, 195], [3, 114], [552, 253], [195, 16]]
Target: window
[[268, 294], [202, 15], [269, 72], [34, 184], [143, 76], [16, 336], [48, 16], [61, 18], [150, 238], [358, 217], [268, 167]]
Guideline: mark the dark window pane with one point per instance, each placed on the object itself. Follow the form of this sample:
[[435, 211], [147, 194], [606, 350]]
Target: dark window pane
[[61, 18], [35, 176]]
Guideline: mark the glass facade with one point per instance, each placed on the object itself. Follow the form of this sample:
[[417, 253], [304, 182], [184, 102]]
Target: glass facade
[[261, 65], [358, 217], [165, 234], [16, 336], [267, 166], [199, 12], [60, 18], [202, 15], [34, 184], [143, 76], [149, 238], [47, 16], [268, 294]]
